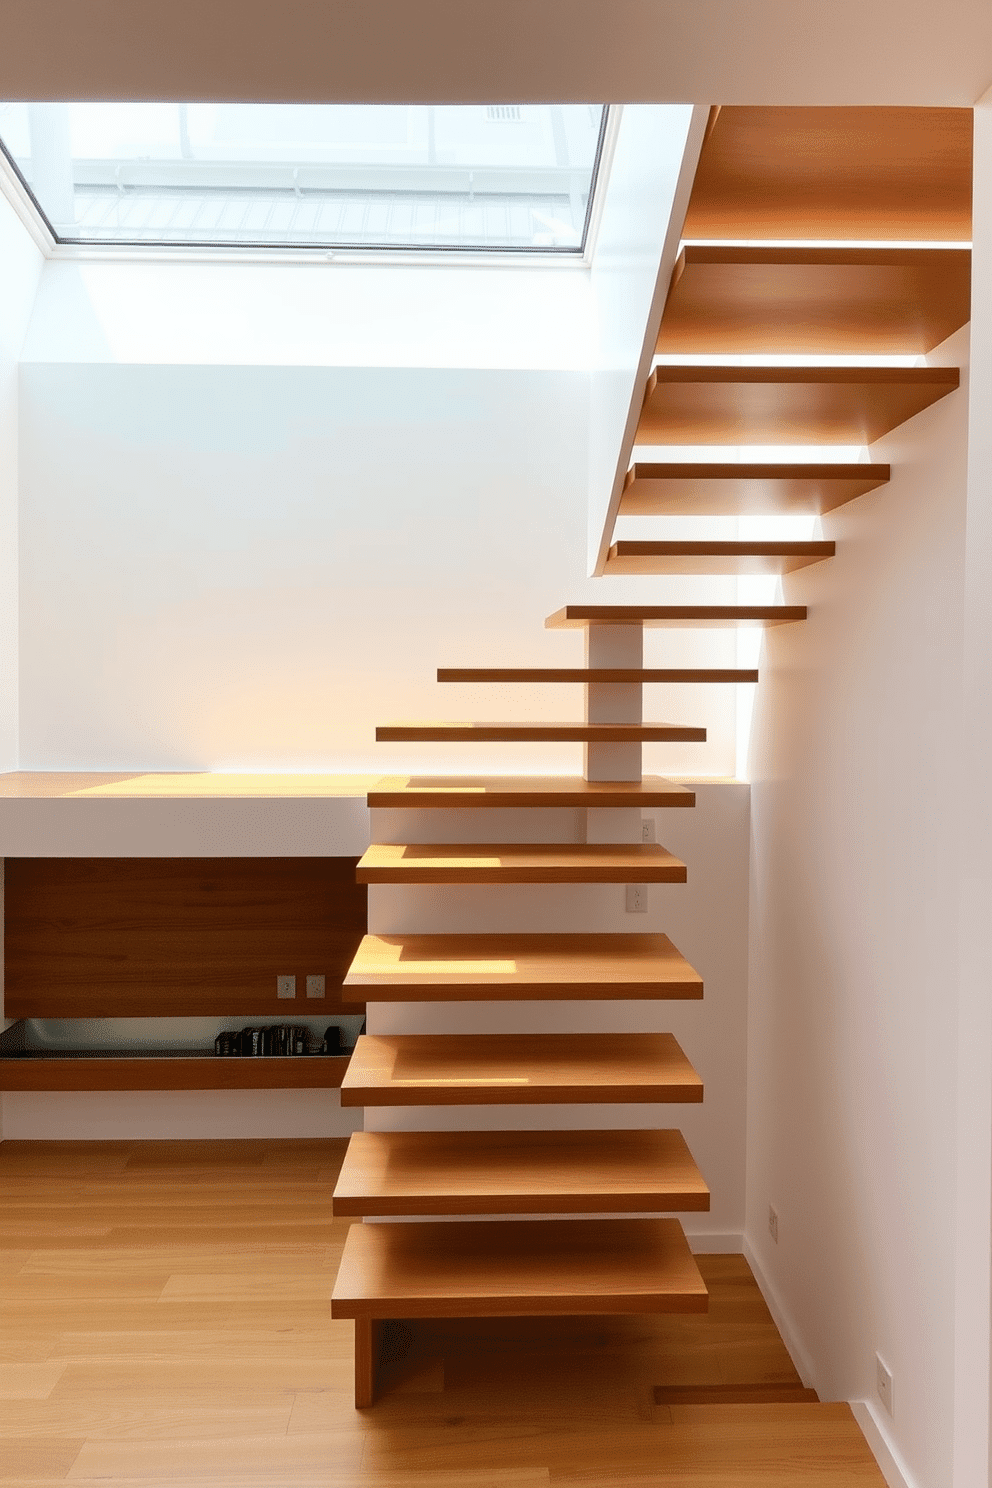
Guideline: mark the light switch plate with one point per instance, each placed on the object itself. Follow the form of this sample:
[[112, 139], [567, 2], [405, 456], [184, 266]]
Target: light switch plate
[[286, 986], [315, 986]]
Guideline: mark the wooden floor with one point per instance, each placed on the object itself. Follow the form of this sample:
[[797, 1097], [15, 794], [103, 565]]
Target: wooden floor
[[165, 1319]]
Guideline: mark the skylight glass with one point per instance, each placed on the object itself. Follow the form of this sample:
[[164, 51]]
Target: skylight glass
[[496, 177]]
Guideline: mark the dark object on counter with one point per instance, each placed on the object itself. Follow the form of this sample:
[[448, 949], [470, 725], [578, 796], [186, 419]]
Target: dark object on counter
[[332, 1040]]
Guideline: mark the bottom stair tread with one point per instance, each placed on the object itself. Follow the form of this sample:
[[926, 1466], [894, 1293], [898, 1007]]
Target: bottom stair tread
[[517, 1268]]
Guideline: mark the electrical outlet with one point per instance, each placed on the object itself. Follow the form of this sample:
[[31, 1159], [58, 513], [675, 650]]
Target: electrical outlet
[[285, 986], [315, 986], [649, 831], [773, 1223], [637, 898], [883, 1383]]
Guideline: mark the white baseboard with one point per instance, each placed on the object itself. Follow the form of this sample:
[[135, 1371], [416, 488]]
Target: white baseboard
[[894, 1470], [714, 1242], [791, 1336]]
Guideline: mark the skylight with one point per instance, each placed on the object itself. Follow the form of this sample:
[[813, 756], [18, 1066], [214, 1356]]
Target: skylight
[[511, 178]]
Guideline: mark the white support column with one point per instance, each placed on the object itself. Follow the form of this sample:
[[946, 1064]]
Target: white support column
[[614, 702]]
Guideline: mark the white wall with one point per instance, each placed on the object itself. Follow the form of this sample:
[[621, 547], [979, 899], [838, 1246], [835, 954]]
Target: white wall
[[857, 795], [20, 271], [248, 554]]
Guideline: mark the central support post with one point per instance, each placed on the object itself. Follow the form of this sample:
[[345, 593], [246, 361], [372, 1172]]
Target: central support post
[[614, 702]]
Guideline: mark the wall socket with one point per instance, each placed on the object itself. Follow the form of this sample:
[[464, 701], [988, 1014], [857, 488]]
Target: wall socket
[[883, 1383], [637, 898], [285, 986], [649, 829], [773, 1223], [315, 986]]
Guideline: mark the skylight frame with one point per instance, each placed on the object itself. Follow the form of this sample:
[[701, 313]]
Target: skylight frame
[[19, 193]]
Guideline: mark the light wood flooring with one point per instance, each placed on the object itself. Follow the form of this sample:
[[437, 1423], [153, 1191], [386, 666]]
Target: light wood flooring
[[165, 1319]]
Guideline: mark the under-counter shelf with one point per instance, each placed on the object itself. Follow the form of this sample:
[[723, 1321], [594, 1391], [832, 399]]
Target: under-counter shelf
[[159, 1069]]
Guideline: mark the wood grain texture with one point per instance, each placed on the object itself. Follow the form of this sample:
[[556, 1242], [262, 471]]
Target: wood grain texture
[[585, 675], [517, 1269], [149, 937], [524, 733], [785, 405], [750, 1394], [835, 173], [519, 862], [301, 1073], [402, 968], [473, 791], [858, 301], [517, 1069], [741, 557], [683, 616], [519, 1172], [744, 488], [226, 1368]]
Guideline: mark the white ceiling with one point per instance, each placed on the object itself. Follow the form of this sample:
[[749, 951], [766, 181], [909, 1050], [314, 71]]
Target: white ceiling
[[725, 51]]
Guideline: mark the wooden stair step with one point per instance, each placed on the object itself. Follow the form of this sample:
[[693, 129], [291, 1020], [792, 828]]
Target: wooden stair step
[[485, 968], [732, 489], [818, 172], [589, 675], [518, 1069], [519, 1172], [785, 405], [741, 557], [471, 791], [549, 733], [745, 1394], [681, 617], [518, 862], [862, 301], [508, 1268]]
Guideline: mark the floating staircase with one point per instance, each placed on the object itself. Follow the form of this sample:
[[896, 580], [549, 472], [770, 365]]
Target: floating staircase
[[884, 177]]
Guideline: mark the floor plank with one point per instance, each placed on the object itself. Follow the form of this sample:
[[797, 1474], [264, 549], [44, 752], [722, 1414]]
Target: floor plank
[[190, 1343]]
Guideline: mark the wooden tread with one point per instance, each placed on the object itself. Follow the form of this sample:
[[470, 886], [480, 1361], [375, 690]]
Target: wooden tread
[[586, 675], [742, 557], [484, 968], [518, 862], [744, 489], [507, 1268], [862, 301], [828, 172], [529, 733], [518, 1172], [518, 1069], [785, 405], [471, 791], [688, 617]]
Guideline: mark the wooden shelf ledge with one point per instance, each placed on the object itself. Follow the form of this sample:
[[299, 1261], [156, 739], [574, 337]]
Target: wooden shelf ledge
[[785, 405], [853, 300], [519, 1172], [741, 557], [171, 1072], [686, 617], [745, 488], [472, 791], [538, 733], [523, 862], [593, 675], [465, 968], [518, 1069]]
